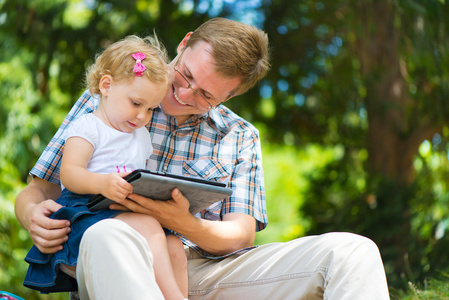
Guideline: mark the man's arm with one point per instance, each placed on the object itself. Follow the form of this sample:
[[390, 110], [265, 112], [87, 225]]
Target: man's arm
[[235, 232], [33, 207], [36, 203]]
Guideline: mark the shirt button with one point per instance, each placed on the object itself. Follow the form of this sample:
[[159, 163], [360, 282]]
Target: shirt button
[[165, 168], [207, 173]]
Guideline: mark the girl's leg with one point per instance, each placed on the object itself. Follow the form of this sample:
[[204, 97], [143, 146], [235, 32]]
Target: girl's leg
[[115, 262], [179, 263], [152, 231]]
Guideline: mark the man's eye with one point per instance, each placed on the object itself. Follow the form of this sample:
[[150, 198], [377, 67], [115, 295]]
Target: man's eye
[[207, 97], [188, 76]]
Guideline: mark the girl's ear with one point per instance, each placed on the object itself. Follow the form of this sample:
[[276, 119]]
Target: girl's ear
[[105, 84]]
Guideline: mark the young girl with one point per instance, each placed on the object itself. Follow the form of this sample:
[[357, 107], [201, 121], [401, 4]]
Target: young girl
[[131, 76]]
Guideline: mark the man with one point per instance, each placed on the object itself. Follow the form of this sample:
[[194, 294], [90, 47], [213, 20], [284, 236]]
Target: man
[[194, 134]]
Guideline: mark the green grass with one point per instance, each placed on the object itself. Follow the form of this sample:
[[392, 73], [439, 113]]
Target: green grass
[[434, 289]]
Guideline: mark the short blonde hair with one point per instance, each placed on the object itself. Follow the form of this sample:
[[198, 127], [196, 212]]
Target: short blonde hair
[[116, 61], [239, 50]]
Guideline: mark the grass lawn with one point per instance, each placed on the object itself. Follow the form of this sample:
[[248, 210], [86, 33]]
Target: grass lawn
[[434, 289]]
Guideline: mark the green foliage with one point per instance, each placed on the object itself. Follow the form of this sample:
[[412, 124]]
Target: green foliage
[[286, 178], [314, 109], [338, 67], [285, 171], [14, 240], [409, 224]]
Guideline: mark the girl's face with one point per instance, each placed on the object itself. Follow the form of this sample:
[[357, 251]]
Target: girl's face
[[126, 106]]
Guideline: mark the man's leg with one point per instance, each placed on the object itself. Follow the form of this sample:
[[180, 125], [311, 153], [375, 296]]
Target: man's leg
[[329, 266], [115, 262]]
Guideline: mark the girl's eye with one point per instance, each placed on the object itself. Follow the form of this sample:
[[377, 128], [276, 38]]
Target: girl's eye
[[135, 103]]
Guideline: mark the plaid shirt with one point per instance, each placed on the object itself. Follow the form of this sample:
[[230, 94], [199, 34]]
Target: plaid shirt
[[217, 145]]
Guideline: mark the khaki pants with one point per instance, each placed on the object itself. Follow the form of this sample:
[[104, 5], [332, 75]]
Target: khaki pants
[[115, 262]]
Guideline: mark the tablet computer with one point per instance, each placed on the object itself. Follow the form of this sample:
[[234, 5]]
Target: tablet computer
[[201, 193]]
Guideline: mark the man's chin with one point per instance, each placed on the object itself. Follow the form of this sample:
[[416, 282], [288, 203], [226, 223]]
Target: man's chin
[[177, 110], [168, 106], [172, 108]]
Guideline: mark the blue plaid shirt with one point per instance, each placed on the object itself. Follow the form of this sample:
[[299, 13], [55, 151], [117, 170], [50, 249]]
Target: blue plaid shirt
[[217, 145]]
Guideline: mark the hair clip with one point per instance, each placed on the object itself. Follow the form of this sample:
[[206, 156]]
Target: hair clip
[[139, 68]]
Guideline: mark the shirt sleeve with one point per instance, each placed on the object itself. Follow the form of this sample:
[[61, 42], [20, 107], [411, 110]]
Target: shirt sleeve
[[48, 165], [247, 181], [83, 127]]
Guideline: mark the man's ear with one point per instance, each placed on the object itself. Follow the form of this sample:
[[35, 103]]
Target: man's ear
[[105, 84], [183, 43]]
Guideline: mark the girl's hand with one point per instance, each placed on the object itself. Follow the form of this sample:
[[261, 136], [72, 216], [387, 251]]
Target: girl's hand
[[114, 187]]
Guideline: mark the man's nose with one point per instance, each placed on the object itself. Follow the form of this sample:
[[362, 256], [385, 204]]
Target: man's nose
[[186, 93]]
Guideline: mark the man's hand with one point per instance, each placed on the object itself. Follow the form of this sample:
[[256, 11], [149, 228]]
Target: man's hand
[[48, 234], [171, 213], [33, 207]]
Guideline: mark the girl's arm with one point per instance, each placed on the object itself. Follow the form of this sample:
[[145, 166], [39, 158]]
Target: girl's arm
[[76, 178]]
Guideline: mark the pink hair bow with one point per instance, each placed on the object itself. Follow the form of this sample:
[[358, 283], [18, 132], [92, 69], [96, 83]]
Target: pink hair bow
[[139, 68]]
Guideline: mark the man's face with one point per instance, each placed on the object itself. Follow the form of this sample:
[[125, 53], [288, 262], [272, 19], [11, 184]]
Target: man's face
[[197, 66]]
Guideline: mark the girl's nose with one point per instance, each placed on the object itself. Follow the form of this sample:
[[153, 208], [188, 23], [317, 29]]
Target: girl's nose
[[141, 115]]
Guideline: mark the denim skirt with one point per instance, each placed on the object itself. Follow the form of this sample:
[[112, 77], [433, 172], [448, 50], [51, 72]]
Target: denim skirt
[[44, 272]]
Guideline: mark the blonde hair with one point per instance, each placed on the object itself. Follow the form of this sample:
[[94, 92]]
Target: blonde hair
[[239, 50], [116, 61]]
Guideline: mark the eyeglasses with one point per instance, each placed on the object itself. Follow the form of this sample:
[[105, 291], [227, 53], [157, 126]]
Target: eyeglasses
[[189, 85]]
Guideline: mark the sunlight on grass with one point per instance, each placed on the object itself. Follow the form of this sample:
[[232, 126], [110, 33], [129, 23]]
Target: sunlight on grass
[[434, 289]]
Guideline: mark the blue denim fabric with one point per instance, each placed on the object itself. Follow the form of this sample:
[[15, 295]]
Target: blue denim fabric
[[44, 273]]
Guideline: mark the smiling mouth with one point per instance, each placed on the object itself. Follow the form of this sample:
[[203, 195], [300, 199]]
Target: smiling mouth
[[177, 98]]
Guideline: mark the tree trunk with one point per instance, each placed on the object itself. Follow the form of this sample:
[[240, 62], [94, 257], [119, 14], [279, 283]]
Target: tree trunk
[[393, 135], [392, 139]]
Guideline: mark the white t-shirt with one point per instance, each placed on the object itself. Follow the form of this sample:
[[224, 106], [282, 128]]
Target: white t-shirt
[[114, 151]]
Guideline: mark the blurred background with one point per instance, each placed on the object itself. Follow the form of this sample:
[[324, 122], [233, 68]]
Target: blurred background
[[354, 115]]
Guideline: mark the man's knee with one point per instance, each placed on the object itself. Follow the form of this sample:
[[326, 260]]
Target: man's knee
[[349, 239], [345, 246]]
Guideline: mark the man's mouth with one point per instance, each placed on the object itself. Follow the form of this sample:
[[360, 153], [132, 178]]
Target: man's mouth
[[177, 98]]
